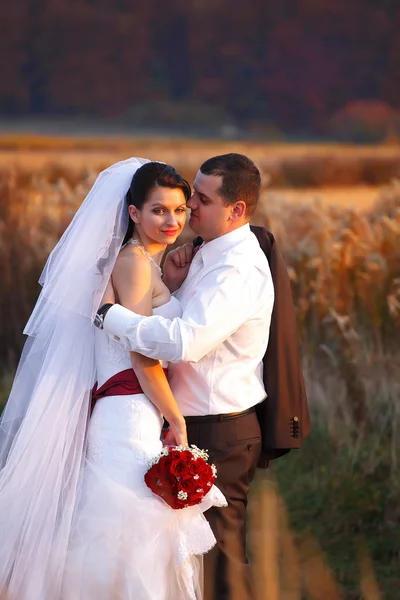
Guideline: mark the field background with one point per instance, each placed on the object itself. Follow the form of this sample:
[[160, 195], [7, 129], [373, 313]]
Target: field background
[[325, 520]]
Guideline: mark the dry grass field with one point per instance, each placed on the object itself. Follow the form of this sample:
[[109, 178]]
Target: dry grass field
[[328, 516], [362, 196], [283, 165]]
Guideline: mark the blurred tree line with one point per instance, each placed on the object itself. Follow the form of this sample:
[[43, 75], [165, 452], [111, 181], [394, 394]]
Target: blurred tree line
[[294, 63]]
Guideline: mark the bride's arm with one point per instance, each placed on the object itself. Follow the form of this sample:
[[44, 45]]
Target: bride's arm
[[132, 279]]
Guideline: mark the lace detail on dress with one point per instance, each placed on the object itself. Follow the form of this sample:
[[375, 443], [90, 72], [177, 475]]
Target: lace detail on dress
[[124, 433], [187, 577], [115, 352], [194, 538]]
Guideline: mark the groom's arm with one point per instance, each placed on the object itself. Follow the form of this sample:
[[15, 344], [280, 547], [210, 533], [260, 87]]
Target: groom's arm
[[223, 301]]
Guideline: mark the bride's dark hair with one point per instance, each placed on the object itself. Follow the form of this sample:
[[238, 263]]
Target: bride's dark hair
[[147, 177]]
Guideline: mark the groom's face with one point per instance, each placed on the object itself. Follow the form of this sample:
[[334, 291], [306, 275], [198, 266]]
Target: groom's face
[[210, 215]]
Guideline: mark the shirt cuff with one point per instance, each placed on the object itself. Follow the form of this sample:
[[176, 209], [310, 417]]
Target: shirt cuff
[[117, 321]]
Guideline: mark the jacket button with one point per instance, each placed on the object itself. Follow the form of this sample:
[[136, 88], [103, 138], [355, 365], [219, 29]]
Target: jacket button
[[295, 419]]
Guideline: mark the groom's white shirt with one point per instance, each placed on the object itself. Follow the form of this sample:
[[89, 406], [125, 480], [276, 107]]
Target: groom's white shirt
[[216, 348]]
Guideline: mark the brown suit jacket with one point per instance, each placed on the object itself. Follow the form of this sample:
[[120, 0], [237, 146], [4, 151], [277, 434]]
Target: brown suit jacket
[[283, 416]]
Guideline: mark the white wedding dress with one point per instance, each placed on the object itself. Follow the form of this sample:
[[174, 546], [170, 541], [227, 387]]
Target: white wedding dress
[[127, 544]]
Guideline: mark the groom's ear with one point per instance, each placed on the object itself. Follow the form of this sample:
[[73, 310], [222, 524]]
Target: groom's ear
[[238, 210]]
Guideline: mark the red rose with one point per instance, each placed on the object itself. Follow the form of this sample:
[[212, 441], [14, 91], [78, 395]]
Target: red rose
[[155, 470], [178, 468], [171, 498], [207, 474], [188, 484], [166, 493], [167, 480], [165, 462], [204, 479], [174, 454], [196, 467], [187, 456], [201, 464], [151, 481], [195, 498]]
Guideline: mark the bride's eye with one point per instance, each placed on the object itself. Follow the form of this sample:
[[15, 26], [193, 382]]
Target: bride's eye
[[158, 211]]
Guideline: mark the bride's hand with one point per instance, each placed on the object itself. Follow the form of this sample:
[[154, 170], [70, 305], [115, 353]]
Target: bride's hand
[[177, 435], [176, 266]]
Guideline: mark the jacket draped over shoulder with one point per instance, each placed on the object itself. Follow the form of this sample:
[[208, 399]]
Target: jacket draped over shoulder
[[284, 415]]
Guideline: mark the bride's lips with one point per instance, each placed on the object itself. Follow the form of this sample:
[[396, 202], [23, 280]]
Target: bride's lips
[[170, 231]]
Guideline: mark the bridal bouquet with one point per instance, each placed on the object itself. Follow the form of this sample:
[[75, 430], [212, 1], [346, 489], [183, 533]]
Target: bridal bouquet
[[181, 476]]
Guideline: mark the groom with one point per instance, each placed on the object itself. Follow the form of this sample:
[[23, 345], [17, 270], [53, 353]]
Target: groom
[[216, 350]]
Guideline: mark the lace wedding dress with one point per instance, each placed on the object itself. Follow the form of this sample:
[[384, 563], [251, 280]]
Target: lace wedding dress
[[127, 544]]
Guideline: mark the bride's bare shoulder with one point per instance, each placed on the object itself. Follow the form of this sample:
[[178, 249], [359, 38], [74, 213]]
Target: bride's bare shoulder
[[131, 254], [131, 263], [133, 282]]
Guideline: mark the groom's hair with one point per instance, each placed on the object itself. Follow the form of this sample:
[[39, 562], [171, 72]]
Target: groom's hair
[[241, 179]]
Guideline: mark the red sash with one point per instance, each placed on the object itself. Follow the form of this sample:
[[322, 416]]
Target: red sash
[[123, 383]]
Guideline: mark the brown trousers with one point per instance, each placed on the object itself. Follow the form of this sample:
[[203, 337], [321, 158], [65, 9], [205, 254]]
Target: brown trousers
[[234, 446]]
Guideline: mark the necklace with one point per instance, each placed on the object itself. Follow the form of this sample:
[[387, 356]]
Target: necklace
[[142, 249]]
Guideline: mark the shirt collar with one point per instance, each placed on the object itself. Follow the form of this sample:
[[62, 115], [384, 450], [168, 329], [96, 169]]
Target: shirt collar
[[212, 250]]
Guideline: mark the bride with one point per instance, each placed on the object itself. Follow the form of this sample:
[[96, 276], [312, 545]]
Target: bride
[[77, 521]]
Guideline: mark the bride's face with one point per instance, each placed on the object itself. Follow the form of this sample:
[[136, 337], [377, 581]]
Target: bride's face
[[162, 217]]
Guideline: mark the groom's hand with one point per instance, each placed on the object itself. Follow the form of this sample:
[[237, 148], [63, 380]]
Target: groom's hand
[[176, 266]]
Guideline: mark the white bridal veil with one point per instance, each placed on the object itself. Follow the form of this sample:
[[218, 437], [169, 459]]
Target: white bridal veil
[[42, 429]]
